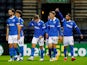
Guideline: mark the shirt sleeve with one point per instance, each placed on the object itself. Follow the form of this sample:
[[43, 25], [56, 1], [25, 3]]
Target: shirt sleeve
[[76, 28], [61, 16], [21, 22], [17, 21], [31, 23]]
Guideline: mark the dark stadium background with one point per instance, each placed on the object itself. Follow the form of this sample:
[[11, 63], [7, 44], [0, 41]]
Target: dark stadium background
[[42, 7]]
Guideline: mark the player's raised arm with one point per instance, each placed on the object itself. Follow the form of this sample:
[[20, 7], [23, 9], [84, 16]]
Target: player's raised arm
[[58, 13], [78, 30]]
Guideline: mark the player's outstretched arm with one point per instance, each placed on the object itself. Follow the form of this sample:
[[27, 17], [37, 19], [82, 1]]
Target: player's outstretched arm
[[58, 13], [78, 30]]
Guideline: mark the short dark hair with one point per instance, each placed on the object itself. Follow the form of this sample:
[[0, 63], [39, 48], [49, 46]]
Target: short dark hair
[[36, 17], [53, 12], [19, 11], [68, 14], [13, 10]]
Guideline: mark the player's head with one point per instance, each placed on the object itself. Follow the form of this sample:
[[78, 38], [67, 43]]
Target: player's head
[[11, 12], [52, 14], [36, 18], [18, 13], [68, 16]]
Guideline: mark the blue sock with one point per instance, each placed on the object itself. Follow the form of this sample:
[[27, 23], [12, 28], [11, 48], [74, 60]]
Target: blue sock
[[21, 50], [11, 52], [65, 50], [42, 52], [50, 50], [54, 52], [71, 50], [32, 51], [17, 51], [15, 54]]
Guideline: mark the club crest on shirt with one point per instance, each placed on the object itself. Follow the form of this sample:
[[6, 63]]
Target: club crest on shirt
[[54, 22]]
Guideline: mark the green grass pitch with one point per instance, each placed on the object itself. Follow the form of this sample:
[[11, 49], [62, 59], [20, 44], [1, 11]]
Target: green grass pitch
[[78, 61]]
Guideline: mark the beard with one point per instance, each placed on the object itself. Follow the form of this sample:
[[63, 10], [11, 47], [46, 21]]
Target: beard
[[10, 15]]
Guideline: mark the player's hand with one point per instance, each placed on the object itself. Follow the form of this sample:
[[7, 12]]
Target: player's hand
[[18, 37], [81, 36], [40, 37], [57, 10], [46, 35], [6, 38]]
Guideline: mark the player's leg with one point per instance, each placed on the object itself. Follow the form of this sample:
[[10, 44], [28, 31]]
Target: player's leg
[[16, 51], [11, 48], [34, 42], [46, 41], [65, 42], [65, 53], [41, 53], [72, 52], [21, 47], [16, 46], [54, 51], [21, 50], [55, 41], [41, 44], [71, 43], [50, 48]]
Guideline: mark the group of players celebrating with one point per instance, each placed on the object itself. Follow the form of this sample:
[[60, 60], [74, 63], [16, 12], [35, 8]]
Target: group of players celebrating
[[51, 29]]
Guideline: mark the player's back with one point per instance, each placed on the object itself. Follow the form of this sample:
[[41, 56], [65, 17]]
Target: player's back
[[12, 23]]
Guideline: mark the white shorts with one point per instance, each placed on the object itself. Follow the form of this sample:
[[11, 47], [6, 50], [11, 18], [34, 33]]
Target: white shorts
[[53, 40], [21, 41], [68, 40], [39, 41], [12, 39]]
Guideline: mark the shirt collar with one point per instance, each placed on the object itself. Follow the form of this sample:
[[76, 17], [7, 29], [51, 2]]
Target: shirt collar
[[53, 19], [19, 18], [12, 17], [38, 21], [69, 21]]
